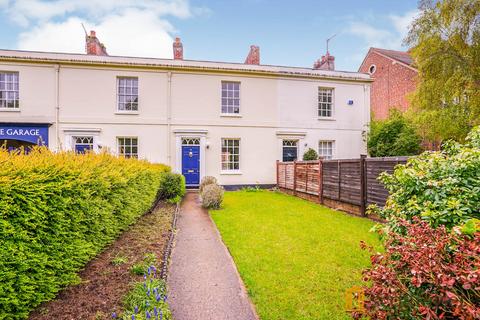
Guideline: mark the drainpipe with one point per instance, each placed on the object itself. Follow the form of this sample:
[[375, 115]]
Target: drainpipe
[[57, 106], [169, 117]]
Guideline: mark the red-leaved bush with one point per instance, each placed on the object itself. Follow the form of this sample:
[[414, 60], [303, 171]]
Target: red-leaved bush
[[425, 273]]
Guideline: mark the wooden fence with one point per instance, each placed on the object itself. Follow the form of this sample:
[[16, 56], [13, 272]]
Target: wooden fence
[[346, 184]]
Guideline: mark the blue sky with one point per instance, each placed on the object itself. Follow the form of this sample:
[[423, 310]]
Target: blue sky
[[291, 33]]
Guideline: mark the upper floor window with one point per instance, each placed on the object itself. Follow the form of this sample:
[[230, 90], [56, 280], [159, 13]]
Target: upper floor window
[[230, 154], [128, 147], [325, 149], [325, 102], [9, 96], [290, 150], [127, 92], [230, 97]]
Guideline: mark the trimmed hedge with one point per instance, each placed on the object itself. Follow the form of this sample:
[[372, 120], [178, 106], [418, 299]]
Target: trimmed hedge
[[57, 211]]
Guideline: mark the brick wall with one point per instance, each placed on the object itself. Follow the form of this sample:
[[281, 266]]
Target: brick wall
[[393, 82]]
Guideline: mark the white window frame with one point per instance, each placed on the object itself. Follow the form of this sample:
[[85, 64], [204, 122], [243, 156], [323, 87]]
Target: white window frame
[[123, 154], [320, 92], [297, 143], [126, 94], [321, 154], [7, 91], [222, 162], [231, 113]]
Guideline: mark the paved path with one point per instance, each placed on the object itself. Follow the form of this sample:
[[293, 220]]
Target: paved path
[[203, 282]]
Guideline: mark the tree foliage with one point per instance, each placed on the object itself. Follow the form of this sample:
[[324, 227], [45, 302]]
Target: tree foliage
[[445, 42], [442, 188], [394, 136]]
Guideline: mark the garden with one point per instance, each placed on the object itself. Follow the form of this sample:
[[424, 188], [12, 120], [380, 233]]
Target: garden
[[295, 257], [299, 259], [60, 253]]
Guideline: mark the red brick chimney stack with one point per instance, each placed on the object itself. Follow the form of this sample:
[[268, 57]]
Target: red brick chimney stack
[[253, 56], [177, 49], [94, 46], [327, 63]]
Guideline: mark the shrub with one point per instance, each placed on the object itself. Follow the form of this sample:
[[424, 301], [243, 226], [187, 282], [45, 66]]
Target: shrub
[[439, 187], [57, 211], [212, 196], [394, 136], [206, 181], [310, 154], [428, 273], [172, 186]]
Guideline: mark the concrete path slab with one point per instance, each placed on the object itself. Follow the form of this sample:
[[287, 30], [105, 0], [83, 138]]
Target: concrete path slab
[[203, 281]]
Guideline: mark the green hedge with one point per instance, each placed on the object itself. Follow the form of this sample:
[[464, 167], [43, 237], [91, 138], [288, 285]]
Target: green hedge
[[57, 211]]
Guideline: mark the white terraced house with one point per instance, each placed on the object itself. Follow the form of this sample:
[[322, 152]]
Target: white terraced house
[[228, 120]]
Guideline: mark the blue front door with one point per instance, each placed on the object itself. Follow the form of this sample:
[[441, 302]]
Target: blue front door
[[82, 148], [191, 164]]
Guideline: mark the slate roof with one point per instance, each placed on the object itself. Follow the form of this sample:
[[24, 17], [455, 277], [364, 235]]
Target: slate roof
[[400, 56]]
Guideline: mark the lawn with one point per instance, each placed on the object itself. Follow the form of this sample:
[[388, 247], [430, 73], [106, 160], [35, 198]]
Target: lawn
[[295, 257]]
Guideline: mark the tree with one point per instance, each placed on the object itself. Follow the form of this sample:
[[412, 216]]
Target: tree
[[394, 136], [445, 42]]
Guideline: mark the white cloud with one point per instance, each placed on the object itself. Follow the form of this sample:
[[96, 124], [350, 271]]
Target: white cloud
[[390, 37], [126, 27]]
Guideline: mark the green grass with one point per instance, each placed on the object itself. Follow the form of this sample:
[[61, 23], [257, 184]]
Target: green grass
[[295, 257]]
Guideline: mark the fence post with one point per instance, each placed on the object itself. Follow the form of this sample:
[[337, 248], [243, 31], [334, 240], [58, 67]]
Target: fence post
[[278, 177], [339, 168], [306, 177], [363, 184], [320, 180], [295, 177]]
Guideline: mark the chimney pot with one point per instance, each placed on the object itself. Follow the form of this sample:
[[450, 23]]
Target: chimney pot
[[93, 45], [253, 56], [326, 63], [178, 49]]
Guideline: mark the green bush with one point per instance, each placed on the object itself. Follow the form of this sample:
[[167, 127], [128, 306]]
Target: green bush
[[310, 154], [442, 188], [57, 211], [212, 196], [172, 186], [206, 181], [394, 136]]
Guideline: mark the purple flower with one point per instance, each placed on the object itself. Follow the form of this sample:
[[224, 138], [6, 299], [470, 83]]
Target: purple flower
[[161, 315], [158, 297], [164, 298], [135, 309], [145, 285], [155, 311], [133, 317], [148, 292], [144, 276], [147, 314], [114, 315]]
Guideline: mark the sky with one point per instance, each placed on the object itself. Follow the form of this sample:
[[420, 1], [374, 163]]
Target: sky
[[289, 32]]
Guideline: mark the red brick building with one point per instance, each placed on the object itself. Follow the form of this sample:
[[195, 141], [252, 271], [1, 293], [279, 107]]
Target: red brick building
[[394, 78]]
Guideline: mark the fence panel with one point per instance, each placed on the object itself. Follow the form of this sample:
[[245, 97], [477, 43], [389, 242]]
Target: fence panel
[[376, 192], [350, 181]]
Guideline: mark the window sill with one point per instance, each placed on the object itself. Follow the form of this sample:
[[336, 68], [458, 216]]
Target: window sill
[[231, 115], [326, 119], [126, 112], [9, 110], [230, 172]]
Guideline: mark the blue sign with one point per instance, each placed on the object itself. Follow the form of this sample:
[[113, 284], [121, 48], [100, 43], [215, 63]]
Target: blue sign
[[34, 133]]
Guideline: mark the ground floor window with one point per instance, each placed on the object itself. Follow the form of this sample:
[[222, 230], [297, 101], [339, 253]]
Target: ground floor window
[[128, 147], [325, 149], [230, 154], [290, 150], [83, 143]]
